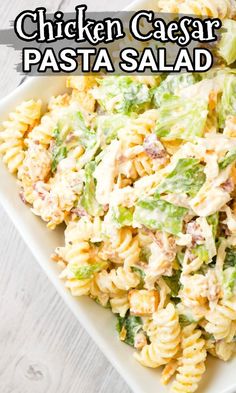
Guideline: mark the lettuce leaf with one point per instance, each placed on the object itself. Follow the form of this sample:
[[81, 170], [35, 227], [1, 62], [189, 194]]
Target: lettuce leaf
[[181, 118], [71, 130], [227, 43], [129, 325], [230, 257], [130, 95], [228, 159], [122, 216], [229, 281], [109, 126], [173, 282], [144, 254], [58, 153], [86, 136], [88, 200], [188, 176], [141, 274], [213, 220], [172, 84], [186, 320], [229, 271], [85, 272], [155, 213], [201, 252], [227, 105]]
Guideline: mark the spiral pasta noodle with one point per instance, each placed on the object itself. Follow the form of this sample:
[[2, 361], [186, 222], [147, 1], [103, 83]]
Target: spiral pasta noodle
[[43, 132], [166, 343], [143, 165], [120, 305], [220, 320], [117, 281], [127, 247], [76, 287], [14, 130], [137, 129], [192, 361]]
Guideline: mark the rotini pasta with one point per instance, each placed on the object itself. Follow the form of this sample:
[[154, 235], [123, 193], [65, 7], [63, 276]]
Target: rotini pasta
[[15, 130], [117, 281], [192, 361], [219, 320], [166, 343]]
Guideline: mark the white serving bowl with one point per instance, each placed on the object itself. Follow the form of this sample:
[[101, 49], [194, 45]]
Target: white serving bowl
[[99, 323]]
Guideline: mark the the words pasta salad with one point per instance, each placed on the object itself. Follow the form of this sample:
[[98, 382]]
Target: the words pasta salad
[[142, 170]]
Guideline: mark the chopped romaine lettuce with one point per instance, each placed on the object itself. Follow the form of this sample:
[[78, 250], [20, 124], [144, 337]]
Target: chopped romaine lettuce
[[227, 106], [227, 43], [88, 199], [229, 281], [229, 271], [228, 159], [141, 274], [230, 258], [128, 327], [186, 320], [58, 153], [173, 282], [201, 252], [56, 134], [144, 254], [181, 118], [155, 213], [213, 220], [122, 216], [85, 272], [122, 95], [71, 130], [188, 176], [59, 150], [109, 125], [85, 135], [172, 84], [180, 257]]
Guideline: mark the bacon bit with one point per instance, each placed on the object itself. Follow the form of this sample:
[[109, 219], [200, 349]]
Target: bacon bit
[[154, 148], [22, 196], [228, 185], [194, 230], [225, 231], [121, 159], [79, 212], [214, 288], [41, 192], [70, 138], [190, 256]]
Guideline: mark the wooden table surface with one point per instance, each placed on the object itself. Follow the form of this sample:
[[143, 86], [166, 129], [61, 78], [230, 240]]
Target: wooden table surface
[[43, 348]]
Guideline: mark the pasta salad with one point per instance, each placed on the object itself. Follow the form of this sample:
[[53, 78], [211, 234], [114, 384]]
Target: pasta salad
[[141, 170]]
